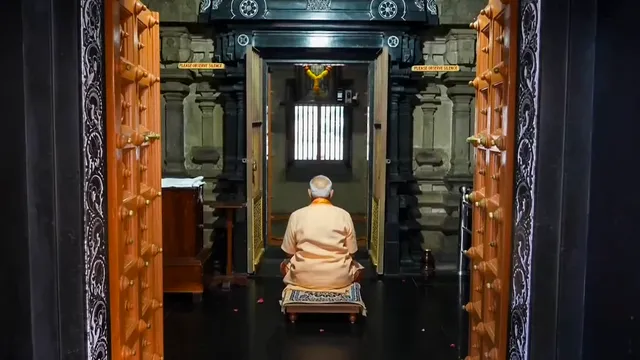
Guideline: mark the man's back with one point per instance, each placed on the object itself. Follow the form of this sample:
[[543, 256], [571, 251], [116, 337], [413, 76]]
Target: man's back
[[321, 239]]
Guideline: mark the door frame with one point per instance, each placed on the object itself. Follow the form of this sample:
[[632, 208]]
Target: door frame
[[251, 160], [270, 218], [93, 308]]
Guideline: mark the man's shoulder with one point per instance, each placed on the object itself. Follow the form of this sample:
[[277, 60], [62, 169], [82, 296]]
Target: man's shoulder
[[307, 209], [298, 212], [341, 210]]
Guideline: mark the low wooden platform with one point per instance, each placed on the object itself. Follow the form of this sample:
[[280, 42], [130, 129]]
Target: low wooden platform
[[293, 310], [296, 300]]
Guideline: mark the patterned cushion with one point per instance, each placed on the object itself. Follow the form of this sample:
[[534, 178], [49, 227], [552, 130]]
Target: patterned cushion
[[350, 295], [297, 296]]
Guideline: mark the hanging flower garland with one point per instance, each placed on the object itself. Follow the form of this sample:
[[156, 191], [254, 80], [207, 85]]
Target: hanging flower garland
[[317, 78]]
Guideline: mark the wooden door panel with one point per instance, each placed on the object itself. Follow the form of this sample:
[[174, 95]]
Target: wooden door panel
[[134, 180], [255, 109], [379, 169], [492, 197], [269, 155]]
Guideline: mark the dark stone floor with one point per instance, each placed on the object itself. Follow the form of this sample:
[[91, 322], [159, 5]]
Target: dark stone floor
[[407, 319]]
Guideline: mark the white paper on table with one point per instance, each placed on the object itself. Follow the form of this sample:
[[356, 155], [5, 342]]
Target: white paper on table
[[183, 182]]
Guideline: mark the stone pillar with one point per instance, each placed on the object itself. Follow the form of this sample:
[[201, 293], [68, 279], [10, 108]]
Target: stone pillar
[[405, 148], [426, 156], [430, 159], [461, 50], [429, 105], [208, 154], [174, 90], [461, 94], [176, 48]]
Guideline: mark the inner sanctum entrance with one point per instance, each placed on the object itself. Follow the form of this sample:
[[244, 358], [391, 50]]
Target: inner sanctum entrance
[[322, 123]]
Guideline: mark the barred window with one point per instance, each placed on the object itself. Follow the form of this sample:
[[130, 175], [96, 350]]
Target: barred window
[[319, 132]]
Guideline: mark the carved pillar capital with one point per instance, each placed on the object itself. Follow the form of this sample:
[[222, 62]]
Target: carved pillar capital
[[207, 92], [433, 54], [176, 45], [207, 101], [460, 81], [461, 48]]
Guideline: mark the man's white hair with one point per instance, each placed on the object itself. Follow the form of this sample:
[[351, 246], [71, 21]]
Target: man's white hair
[[320, 187]]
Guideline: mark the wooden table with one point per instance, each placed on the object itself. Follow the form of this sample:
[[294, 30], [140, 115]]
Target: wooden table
[[229, 278]]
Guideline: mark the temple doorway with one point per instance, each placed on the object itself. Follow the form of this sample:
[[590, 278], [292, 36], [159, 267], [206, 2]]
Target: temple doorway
[[320, 117], [268, 176]]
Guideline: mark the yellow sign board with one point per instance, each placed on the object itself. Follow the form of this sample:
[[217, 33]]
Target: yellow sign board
[[434, 68], [201, 66]]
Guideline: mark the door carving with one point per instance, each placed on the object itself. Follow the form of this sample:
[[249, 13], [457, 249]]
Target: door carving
[[379, 162], [256, 108], [490, 251], [134, 180]]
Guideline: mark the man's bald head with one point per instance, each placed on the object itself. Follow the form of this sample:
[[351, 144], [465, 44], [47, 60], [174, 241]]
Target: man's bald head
[[320, 187]]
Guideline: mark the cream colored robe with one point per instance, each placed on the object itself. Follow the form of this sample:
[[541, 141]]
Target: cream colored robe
[[322, 240]]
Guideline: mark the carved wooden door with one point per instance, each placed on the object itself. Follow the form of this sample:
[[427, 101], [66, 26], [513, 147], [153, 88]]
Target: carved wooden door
[[134, 180], [255, 110], [379, 160], [493, 180]]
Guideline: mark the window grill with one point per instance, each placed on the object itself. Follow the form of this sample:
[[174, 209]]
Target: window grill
[[319, 133]]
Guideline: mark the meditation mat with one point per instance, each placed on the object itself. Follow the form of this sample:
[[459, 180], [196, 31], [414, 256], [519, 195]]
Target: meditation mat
[[300, 300]]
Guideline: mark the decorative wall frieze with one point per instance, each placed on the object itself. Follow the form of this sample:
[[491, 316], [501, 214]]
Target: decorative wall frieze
[[405, 48], [527, 144], [416, 11]]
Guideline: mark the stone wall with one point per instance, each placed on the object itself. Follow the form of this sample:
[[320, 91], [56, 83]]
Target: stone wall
[[442, 123], [192, 116]]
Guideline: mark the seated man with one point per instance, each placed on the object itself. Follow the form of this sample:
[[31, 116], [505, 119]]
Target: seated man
[[320, 241]]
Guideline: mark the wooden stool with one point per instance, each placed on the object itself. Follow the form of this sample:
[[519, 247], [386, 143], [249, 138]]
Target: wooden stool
[[351, 309]]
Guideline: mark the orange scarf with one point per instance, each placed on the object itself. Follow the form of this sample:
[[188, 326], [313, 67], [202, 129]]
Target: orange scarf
[[321, 201]]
